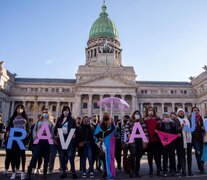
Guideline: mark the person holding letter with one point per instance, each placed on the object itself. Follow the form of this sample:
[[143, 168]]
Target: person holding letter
[[65, 130], [42, 134], [17, 128]]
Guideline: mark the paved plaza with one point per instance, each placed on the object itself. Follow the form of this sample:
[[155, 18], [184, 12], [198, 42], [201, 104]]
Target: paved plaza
[[119, 175]]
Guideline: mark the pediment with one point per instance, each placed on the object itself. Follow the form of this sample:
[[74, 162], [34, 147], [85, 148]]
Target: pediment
[[108, 82]]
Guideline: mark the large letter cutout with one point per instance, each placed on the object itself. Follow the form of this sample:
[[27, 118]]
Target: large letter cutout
[[40, 135], [17, 139], [134, 135], [62, 141], [205, 124], [193, 121]]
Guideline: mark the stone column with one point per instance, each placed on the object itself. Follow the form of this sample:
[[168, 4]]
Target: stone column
[[24, 104], [78, 105], [163, 109], [202, 110], [12, 108], [133, 103], [100, 109], [123, 96], [57, 109], [183, 106], [47, 105], [90, 106], [173, 107], [141, 109]]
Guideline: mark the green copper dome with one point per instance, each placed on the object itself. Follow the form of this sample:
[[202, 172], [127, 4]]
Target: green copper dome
[[103, 27]]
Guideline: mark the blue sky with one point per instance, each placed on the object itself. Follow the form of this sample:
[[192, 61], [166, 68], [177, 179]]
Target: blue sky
[[164, 40]]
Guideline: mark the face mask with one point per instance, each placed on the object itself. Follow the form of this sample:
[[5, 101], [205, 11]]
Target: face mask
[[20, 110], [45, 115], [151, 113], [137, 116], [65, 113], [166, 120]]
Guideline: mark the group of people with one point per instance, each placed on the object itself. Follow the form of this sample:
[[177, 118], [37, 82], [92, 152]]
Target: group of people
[[104, 141]]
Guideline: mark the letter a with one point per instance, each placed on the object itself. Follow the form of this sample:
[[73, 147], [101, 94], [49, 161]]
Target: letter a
[[134, 135], [40, 135]]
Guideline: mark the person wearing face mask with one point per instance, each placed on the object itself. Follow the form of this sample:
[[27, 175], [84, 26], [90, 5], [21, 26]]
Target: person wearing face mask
[[66, 122], [42, 148], [18, 120], [185, 142], [167, 125], [152, 122], [197, 138], [86, 145], [139, 144]]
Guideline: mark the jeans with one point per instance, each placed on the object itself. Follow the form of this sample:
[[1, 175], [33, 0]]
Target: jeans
[[53, 151], [87, 153], [198, 153], [40, 149], [70, 154]]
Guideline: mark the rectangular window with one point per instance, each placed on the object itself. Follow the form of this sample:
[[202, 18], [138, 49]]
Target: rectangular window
[[53, 108], [165, 109], [95, 105], [85, 105], [186, 109]]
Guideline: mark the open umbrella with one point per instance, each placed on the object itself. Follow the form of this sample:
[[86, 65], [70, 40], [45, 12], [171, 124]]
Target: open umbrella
[[113, 103]]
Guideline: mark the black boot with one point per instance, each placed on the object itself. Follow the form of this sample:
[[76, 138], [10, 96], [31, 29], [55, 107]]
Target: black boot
[[45, 171], [29, 172]]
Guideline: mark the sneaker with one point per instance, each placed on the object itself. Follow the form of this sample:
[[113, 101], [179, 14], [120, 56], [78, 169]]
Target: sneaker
[[91, 175], [38, 171], [165, 175], [23, 175], [34, 171], [13, 176], [5, 172], [84, 175]]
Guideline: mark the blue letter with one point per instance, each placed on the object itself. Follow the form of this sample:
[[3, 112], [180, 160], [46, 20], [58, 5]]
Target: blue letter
[[17, 139], [193, 119]]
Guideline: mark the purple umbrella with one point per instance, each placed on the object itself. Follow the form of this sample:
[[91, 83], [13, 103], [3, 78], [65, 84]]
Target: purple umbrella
[[113, 103]]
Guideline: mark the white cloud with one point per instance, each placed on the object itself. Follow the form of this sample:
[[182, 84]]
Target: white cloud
[[49, 61]]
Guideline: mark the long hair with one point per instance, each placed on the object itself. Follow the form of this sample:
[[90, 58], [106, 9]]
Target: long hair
[[83, 119], [23, 114], [146, 112], [133, 115], [64, 109]]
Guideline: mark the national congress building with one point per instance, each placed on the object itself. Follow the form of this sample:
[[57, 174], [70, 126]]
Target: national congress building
[[102, 75]]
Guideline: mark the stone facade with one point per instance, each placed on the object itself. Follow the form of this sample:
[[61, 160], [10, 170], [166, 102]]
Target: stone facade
[[103, 75]]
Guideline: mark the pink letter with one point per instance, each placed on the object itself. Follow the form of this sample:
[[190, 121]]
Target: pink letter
[[40, 135], [134, 135]]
